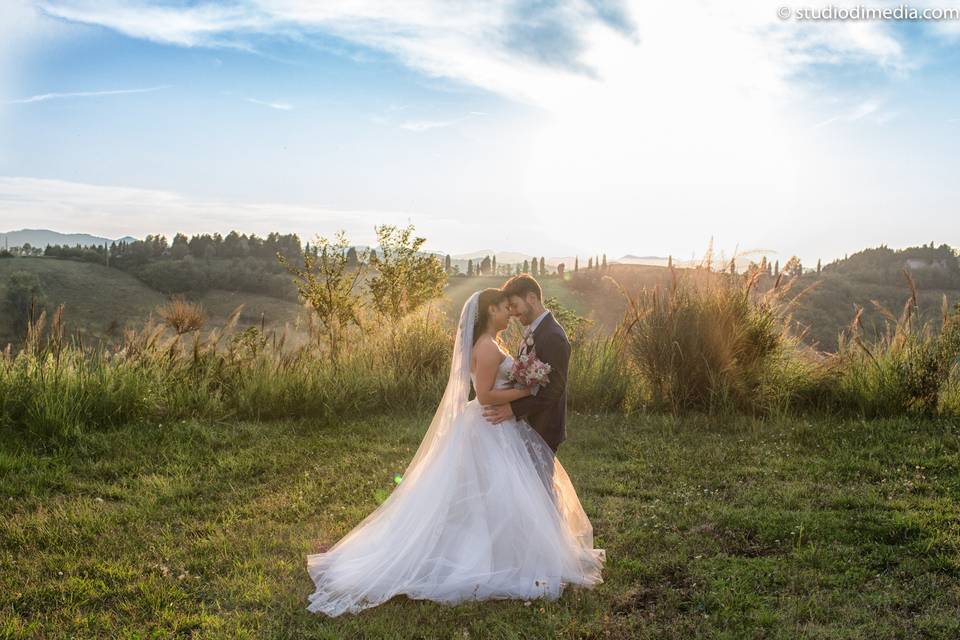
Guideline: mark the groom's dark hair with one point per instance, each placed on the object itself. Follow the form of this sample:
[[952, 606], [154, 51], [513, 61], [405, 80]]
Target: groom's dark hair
[[521, 285]]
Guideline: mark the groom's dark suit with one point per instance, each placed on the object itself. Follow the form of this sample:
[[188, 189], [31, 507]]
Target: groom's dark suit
[[547, 411]]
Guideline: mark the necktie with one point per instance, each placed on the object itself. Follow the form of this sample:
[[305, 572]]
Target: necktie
[[524, 348]]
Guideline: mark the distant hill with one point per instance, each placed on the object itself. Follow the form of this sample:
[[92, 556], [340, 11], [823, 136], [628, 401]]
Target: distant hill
[[503, 257], [876, 277], [44, 237], [654, 261], [100, 302]]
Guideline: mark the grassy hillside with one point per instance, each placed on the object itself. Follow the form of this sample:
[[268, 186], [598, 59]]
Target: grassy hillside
[[97, 297], [94, 296], [830, 302], [271, 312], [787, 529]]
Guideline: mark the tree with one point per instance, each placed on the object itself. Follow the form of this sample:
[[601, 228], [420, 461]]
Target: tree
[[589, 264], [517, 269], [533, 268], [447, 264], [526, 266], [405, 278], [576, 264], [793, 267], [670, 262], [604, 266], [543, 266], [494, 265], [180, 247], [485, 265], [326, 284], [819, 265], [353, 259], [470, 268], [776, 268]]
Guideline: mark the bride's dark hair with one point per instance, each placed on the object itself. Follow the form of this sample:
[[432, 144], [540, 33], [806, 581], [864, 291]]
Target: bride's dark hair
[[486, 299]]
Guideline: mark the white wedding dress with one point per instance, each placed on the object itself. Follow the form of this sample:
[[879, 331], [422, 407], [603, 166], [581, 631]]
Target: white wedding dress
[[482, 512]]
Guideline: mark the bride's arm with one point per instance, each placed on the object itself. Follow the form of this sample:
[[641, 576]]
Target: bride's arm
[[488, 361]]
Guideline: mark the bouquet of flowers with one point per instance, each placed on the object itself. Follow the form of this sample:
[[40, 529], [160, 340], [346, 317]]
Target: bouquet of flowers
[[529, 371]]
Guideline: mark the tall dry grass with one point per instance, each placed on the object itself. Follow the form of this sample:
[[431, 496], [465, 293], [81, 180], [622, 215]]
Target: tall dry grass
[[709, 342], [54, 388], [907, 368]]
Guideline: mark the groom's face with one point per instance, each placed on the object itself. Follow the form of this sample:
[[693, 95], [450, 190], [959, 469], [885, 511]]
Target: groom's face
[[521, 310]]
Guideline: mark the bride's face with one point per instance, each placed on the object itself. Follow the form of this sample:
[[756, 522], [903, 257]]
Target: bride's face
[[500, 315]]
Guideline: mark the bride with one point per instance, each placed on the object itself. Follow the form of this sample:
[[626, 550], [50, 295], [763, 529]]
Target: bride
[[482, 511]]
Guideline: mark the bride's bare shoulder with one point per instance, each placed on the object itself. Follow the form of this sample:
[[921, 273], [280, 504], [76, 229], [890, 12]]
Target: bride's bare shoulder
[[487, 350]]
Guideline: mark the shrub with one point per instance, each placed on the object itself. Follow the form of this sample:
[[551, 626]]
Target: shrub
[[706, 342], [182, 316]]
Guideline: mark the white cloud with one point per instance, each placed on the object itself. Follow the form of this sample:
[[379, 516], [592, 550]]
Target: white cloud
[[43, 97], [282, 106], [860, 111], [419, 126], [504, 46]]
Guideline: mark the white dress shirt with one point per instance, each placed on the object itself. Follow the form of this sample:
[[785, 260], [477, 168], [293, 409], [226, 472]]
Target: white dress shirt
[[536, 323], [529, 329]]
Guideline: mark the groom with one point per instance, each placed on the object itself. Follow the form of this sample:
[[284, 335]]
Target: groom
[[545, 411]]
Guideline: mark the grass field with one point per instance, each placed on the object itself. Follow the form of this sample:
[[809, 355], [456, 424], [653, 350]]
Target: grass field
[[815, 529]]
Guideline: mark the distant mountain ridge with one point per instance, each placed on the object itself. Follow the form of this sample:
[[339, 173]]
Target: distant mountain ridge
[[503, 257], [44, 237]]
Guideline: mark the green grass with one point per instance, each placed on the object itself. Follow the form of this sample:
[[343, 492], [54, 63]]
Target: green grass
[[744, 529]]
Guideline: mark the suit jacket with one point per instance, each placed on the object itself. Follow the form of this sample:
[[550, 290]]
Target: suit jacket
[[547, 411]]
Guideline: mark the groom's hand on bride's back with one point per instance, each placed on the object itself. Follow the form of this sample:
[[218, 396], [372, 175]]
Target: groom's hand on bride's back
[[497, 413]]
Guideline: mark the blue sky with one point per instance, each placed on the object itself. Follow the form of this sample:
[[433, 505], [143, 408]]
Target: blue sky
[[547, 127]]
